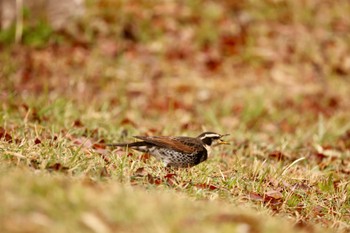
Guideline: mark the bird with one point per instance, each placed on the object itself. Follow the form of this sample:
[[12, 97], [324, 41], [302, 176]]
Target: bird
[[176, 151]]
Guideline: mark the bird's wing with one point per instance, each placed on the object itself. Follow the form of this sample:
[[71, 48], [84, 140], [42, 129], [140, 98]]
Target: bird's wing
[[175, 143]]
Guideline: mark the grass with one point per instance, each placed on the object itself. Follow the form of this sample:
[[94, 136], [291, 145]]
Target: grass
[[81, 204], [279, 87]]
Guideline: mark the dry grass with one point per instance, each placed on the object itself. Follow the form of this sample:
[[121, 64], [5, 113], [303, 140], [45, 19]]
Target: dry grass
[[275, 75]]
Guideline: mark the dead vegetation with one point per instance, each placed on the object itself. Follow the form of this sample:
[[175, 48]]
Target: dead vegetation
[[273, 74]]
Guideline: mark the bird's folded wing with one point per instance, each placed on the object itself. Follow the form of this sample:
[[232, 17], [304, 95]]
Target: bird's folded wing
[[167, 143]]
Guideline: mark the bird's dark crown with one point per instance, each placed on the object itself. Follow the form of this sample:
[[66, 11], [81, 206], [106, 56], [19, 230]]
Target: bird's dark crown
[[209, 137]]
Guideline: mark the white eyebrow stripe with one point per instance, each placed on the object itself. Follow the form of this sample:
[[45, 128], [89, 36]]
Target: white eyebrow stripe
[[210, 136]]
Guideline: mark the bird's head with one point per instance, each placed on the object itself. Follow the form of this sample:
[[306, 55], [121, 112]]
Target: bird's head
[[212, 139]]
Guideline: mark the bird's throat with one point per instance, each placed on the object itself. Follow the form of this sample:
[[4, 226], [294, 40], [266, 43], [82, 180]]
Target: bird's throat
[[208, 148]]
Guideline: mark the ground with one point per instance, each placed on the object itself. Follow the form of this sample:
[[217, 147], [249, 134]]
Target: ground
[[275, 75]]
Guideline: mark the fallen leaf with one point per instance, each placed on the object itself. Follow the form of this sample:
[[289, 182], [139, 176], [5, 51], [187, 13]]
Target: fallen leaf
[[78, 123], [34, 164], [255, 197], [109, 47], [141, 171], [230, 44], [318, 157], [177, 53], [129, 32], [4, 135], [144, 157], [318, 210], [273, 194], [273, 199], [37, 141], [344, 140], [97, 146], [206, 186], [83, 141], [128, 121], [105, 158], [170, 179], [277, 155], [104, 172], [212, 63], [301, 186], [57, 167], [153, 180]]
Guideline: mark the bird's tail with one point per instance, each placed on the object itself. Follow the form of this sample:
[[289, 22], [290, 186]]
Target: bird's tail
[[127, 144]]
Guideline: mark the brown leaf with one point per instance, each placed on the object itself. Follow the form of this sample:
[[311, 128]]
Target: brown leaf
[[4, 135], [255, 197], [36, 117], [37, 141], [153, 180], [85, 142], [34, 164], [318, 210], [346, 135], [177, 53], [319, 157], [127, 121], [345, 171], [150, 178], [144, 157], [97, 146], [206, 186], [313, 103], [101, 151], [152, 131], [77, 123], [213, 64], [105, 158], [57, 167], [164, 104], [92, 133], [141, 171], [109, 47], [301, 186], [273, 194], [25, 107], [27, 72], [278, 155], [170, 179], [129, 32], [273, 199], [230, 44], [339, 70], [170, 175], [286, 127], [104, 172], [344, 140]]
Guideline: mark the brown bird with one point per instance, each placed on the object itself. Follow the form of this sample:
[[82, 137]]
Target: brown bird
[[176, 151]]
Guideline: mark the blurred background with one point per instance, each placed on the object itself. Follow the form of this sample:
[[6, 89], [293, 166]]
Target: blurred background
[[261, 66], [274, 74]]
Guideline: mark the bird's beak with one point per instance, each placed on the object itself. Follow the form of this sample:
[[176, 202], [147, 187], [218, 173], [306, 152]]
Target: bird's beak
[[222, 142]]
